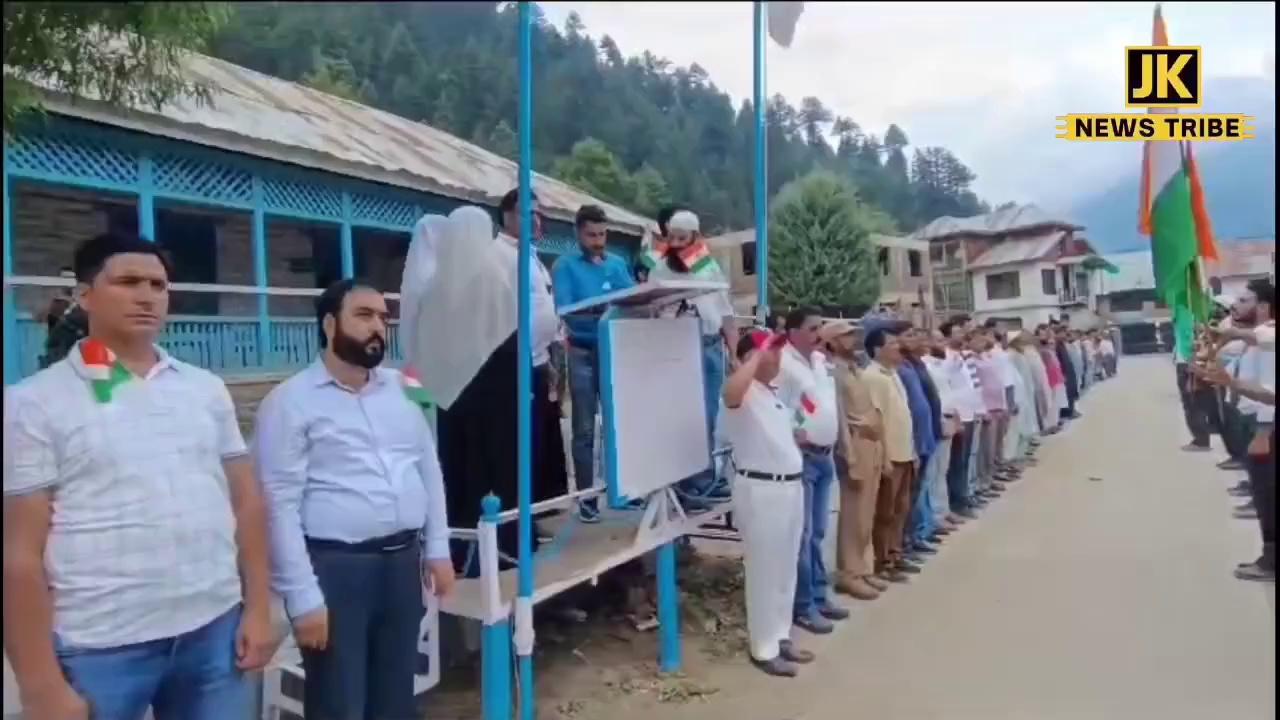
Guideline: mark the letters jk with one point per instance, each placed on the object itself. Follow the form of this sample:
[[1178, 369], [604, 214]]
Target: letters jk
[[1166, 77]]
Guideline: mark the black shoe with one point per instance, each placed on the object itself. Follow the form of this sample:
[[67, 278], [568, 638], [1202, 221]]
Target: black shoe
[[1231, 464], [777, 667], [923, 549], [789, 652], [907, 567], [1255, 571], [967, 514], [833, 612], [814, 623], [1241, 490]]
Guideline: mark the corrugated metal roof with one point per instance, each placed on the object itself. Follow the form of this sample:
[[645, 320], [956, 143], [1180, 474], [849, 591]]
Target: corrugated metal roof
[[1018, 250], [895, 241], [1018, 217], [265, 116]]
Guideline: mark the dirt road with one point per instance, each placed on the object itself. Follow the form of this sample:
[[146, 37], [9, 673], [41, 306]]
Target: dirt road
[[1070, 599]]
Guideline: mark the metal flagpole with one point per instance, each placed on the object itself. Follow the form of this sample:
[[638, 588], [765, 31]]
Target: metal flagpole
[[760, 27], [524, 377]]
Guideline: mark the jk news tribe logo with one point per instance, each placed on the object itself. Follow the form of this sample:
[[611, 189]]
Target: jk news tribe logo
[[1164, 80]]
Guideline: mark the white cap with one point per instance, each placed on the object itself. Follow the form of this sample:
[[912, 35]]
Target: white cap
[[683, 220]]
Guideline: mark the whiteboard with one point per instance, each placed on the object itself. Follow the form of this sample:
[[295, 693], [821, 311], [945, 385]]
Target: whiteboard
[[651, 387]]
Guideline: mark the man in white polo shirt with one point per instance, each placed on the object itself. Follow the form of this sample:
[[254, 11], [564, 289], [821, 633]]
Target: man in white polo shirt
[[135, 557], [768, 500], [806, 387]]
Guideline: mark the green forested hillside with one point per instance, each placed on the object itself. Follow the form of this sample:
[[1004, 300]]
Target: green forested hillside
[[635, 130]]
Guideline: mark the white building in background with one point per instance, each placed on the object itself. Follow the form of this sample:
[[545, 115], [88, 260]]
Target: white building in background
[[1128, 297], [1018, 266]]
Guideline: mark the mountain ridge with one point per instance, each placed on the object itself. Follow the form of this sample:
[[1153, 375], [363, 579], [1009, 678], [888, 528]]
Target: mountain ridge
[[1239, 177]]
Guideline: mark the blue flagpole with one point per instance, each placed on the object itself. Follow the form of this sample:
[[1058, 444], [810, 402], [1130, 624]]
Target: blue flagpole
[[524, 377], [762, 179]]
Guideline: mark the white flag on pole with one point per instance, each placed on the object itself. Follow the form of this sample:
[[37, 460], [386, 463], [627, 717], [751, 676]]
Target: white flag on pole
[[782, 21]]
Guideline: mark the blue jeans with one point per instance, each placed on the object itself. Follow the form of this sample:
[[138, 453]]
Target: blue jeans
[[712, 383], [189, 677], [958, 473], [811, 569], [584, 392], [920, 521]]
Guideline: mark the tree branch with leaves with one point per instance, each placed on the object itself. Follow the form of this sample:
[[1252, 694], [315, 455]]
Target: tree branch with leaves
[[125, 53]]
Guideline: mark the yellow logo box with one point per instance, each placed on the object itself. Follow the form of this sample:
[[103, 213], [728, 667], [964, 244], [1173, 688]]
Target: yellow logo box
[[1166, 77], [1156, 127]]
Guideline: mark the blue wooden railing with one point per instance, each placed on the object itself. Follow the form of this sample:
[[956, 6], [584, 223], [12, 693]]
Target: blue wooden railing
[[225, 345]]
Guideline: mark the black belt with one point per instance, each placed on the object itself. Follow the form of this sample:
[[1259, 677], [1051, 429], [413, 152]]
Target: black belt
[[388, 543], [771, 477], [822, 450]]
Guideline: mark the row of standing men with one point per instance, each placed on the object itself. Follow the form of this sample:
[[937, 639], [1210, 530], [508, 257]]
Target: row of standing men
[[920, 430]]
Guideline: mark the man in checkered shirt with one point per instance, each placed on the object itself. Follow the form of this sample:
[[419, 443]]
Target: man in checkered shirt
[[135, 555]]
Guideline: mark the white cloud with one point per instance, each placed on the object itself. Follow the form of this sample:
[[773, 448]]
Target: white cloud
[[984, 79]]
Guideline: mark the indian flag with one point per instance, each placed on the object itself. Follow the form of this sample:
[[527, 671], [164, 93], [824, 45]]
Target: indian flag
[[697, 257], [1173, 214], [652, 257], [783, 17], [806, 410], [413, 388], [104, 370]]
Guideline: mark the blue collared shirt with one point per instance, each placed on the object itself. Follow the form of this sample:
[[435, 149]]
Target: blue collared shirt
[[921, 410], [343, 464], [575, 278]]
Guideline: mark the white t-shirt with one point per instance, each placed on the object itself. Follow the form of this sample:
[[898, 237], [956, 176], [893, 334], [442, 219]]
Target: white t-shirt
[[760, 431], [1008, 372], [813, 379], [1258, 367], [959, 377], [711, 308], [546, 323]]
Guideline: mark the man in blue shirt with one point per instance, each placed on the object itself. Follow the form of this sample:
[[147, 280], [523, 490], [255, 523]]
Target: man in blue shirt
[[587, 274], [924, 438]]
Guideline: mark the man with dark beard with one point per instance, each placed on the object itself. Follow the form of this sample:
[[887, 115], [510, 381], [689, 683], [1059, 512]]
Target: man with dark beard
[[358, 523]]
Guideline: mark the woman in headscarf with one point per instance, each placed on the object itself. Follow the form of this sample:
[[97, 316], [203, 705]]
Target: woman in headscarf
[[459, 316]]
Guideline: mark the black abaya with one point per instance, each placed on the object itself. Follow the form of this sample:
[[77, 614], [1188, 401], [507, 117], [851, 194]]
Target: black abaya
[[477, 441]]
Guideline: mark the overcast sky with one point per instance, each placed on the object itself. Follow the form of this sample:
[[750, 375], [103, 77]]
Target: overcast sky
[[983, 79]]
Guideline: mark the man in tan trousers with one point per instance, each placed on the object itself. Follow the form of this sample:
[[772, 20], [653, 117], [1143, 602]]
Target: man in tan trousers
[[858, 459], [893, 500]]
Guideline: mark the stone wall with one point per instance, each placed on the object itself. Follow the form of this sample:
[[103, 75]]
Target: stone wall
[[247, 395]]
